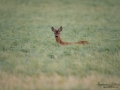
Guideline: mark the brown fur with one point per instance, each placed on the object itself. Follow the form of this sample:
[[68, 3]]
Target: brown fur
[[58, 39]]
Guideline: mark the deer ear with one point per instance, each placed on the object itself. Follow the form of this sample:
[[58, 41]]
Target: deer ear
[[60, 29], [52, 28]]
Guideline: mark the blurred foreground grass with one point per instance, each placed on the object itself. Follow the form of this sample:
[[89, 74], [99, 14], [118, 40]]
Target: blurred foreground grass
[[31, 59]]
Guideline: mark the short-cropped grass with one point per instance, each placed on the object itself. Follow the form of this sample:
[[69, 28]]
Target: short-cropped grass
[[30, 58]]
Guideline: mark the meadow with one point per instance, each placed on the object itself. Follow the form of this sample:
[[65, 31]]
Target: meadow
[[30, 58]]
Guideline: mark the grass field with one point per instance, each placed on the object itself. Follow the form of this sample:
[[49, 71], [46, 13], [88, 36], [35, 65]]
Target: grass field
[[30, 58]]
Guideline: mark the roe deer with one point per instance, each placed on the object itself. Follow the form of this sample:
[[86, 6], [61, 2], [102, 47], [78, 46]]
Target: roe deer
[[58, 39]]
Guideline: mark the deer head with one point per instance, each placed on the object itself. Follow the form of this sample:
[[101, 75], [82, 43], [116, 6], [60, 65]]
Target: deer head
[[56, 32]]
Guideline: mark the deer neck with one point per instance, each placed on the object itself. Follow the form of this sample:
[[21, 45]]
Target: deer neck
[[58, 39]]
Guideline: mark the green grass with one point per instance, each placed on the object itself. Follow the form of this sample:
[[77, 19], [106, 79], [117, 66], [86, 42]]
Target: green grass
[[31, 59]]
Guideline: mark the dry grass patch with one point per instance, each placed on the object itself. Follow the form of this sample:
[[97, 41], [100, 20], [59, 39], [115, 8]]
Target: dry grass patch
[[89, 82]]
